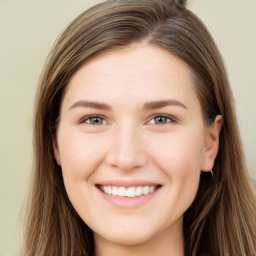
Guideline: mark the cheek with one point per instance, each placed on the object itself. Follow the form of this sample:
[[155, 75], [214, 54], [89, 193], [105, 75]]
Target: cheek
[[176, 157], [178, 153], [179, 157], [183, 171], [80, 155]]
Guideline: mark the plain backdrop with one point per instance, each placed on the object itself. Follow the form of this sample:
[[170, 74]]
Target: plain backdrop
[[28, 29]]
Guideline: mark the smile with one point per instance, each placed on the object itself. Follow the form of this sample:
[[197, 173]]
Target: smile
[[128, 191]]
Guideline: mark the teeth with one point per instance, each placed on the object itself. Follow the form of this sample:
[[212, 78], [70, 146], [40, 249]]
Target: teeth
[[145, 190], [128, 192], [115, 191], [109, 190], [121, 191], [138, 191], [151, 189]]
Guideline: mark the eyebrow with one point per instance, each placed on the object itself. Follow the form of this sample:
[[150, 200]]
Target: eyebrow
[[147, 106], [163, 103], [90, 104]]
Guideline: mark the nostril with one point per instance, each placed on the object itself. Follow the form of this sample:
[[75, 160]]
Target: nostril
[[126, 160]]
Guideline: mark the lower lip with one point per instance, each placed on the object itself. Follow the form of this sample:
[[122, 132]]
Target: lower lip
[[128, 202]]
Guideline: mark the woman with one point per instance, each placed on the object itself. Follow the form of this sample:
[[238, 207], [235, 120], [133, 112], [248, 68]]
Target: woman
[[137, 148]]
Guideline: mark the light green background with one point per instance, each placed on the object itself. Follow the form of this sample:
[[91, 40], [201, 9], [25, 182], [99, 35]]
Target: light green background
[[28, 28]]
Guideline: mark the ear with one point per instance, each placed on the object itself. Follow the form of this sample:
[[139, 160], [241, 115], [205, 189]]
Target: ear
[[56, 151], [211, 144]]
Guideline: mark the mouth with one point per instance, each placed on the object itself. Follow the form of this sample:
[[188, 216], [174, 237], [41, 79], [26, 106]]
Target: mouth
[[128, 192]]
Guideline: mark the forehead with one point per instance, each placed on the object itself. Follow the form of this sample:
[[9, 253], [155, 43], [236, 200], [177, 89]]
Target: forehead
[[137, 73]]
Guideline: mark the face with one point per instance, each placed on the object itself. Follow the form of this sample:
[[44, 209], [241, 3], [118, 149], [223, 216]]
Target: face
[[131, 143]]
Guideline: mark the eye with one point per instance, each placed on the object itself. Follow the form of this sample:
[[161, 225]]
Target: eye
[[161, 120], [94, 120]]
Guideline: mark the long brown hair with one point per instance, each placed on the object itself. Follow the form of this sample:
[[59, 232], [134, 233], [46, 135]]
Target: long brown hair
[[221, 221]]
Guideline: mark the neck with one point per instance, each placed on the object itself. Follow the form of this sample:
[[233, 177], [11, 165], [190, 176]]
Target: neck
[[167, 243]]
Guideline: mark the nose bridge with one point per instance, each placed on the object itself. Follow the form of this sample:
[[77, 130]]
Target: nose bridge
[[126, 150]]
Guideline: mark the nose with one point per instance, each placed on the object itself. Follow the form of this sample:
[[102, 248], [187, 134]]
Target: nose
[[126, 150]]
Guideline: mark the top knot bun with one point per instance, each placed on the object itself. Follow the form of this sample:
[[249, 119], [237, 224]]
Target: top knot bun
[[181, 4]]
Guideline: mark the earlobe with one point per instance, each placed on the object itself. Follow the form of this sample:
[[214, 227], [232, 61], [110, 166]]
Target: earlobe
[[56, 151], [211, 144]]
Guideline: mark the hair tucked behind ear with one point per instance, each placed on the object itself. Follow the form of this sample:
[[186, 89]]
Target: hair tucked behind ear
[[221, 220]]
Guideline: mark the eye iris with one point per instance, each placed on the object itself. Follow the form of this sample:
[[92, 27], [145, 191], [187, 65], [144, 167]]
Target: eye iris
[[160, 120], [96, 120]]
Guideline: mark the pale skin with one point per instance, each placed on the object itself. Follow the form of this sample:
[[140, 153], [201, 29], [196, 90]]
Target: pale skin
[[131, 117]]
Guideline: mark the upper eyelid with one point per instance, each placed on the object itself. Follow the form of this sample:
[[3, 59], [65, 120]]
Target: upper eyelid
[[83, 119], [164, 115], [174, 119]]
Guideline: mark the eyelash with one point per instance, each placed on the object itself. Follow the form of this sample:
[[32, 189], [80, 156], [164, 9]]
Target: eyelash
[[168, 119], [84, 120]]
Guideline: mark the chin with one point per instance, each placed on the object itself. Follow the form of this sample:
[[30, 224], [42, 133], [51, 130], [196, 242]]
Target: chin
[[130, 238]]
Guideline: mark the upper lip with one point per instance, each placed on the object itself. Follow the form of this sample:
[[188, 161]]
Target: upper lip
[[127, 183]]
